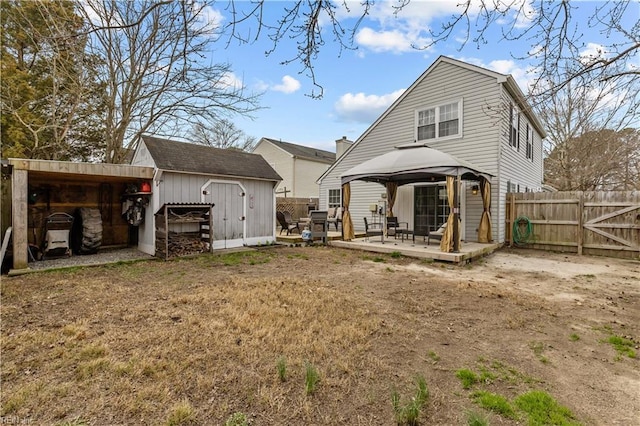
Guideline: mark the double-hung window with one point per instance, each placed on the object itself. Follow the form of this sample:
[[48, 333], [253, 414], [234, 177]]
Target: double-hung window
[[529, 142], [439, 122], [335, 198]]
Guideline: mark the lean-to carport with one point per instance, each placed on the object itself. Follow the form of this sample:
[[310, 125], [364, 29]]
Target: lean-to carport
[[25, 172], [418, 163]]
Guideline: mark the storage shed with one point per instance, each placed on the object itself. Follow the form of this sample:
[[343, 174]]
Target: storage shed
[[239, 185]]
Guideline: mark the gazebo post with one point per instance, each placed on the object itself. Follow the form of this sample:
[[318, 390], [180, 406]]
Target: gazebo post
[[417, 163], [456, 214]]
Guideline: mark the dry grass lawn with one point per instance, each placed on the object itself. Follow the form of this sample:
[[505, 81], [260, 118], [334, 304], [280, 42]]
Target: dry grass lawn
[[193, 341]]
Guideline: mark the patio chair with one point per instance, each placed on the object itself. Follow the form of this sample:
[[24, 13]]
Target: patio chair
[[392, 226], [335, 216], [372, 229], [285, 221], [436, 235]]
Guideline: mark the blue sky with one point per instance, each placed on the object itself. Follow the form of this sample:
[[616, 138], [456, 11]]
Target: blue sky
[[360, 84]]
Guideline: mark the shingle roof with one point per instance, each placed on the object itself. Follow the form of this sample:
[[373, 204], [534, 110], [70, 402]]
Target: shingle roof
[[305, 152], [189, 157]]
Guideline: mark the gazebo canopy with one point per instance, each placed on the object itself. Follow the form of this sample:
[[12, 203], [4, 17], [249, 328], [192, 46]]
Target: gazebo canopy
[[413, 163]]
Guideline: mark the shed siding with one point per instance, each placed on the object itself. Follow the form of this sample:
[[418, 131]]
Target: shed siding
[[479, 143], [260, 210], [142, 157], [187, 188]]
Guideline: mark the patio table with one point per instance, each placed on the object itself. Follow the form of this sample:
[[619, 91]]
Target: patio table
[[407, 232]]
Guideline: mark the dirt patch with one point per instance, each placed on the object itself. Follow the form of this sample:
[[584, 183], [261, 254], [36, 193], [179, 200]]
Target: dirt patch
[[146, 342]]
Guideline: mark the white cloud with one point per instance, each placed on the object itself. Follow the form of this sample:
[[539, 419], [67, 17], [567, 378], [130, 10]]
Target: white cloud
[[393, 30], [211, 19], [525, 15], [230, 81], [288, 85], [524, 76], [388, 41], [592, 52], [364, 108], [212, 16], [503, 66]]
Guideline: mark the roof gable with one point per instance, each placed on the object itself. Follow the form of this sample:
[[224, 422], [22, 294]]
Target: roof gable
[[304, 152], [505, 80], [189, 157]]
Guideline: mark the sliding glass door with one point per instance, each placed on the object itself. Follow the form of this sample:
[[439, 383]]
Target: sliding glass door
[[430, 208]]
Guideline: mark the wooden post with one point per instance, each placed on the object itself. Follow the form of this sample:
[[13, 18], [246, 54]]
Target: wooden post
[[580, 230], [456, 216], [284, 191], [19, 211]]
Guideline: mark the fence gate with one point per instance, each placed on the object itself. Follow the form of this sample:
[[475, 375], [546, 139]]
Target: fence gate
[[603, 223], [611, 222]]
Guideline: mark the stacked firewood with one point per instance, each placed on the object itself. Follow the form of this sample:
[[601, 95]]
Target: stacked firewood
[[182, 243], [188, 216]]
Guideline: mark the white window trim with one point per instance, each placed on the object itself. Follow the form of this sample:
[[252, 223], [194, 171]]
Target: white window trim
[[437, 108], [329, 197]]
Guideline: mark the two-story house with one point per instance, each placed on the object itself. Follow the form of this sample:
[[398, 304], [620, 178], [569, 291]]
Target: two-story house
[[474, 114], [300, 166]]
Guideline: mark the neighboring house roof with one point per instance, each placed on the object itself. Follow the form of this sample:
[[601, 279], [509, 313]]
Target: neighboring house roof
[[189, 157], [507, 80], [304, 152]]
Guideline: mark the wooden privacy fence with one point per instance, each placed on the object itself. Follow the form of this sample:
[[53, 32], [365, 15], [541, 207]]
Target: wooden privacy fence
[[605, 223], [298, 207]]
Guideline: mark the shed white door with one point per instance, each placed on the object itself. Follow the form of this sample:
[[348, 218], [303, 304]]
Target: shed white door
[[228, 214]]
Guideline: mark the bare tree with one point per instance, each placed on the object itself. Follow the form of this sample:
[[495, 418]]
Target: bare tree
[[596, 160], [155, 68], [222, 134], [589, 143], [551, 27]]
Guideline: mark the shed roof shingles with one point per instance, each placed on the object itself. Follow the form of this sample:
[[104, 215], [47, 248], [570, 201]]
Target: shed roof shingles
[[189, 157]]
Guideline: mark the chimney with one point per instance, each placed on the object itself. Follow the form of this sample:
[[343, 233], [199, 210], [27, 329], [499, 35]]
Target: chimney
[[342, 145]]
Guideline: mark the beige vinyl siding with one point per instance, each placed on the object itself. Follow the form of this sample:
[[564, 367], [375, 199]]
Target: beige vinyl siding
[[281, 161], [480, 95], [306, 173], [298, 175], [515, 167]]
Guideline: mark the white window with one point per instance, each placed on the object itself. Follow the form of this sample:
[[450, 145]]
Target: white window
[[439, 122], [514, 128], [529, 142], [335, 198]]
